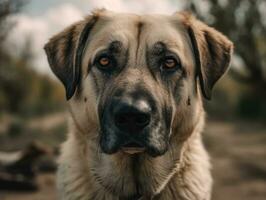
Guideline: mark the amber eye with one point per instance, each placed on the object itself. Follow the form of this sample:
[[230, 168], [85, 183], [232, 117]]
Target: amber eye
[[104, 61], [170, 63]]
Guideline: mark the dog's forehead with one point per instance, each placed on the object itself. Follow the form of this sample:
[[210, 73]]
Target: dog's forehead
[[113, 27], [128, 28], [135, 31], [163, 28]]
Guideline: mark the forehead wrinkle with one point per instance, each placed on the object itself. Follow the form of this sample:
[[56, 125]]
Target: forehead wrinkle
[[139, 28], [107, 38], [172, 44], [109, 46], [160, 47]]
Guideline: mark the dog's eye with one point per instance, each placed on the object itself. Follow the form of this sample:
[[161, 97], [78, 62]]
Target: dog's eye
[[104, 61], [170, 63]]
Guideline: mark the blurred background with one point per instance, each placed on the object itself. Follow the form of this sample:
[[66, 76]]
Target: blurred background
[[33, 111]]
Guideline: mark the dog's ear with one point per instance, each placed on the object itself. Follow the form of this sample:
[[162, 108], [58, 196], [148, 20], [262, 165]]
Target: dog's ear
[[212, 51], [64, 52]]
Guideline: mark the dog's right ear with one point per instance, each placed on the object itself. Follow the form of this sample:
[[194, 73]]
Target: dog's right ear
[[64, 52]]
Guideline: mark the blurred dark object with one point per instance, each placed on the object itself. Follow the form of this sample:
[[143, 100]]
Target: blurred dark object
[[18, 170], [16, 127], [23, 162], [17, 183], [244, 23], [47, 163], [8, 7]]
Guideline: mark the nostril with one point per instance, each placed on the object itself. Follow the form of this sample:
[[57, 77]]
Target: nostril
[[131, 121], [142, 119], [121, 119]]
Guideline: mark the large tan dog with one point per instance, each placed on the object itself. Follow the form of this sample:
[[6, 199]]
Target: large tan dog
[[132, 84]]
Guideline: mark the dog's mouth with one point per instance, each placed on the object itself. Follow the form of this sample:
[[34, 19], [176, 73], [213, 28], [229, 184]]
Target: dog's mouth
[[132, 148]]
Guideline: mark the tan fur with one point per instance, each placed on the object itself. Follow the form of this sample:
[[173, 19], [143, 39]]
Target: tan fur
[[183, 172]]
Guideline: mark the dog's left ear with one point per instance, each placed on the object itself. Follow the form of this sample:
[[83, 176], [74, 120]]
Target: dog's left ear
[[64, 52], [212, 51]]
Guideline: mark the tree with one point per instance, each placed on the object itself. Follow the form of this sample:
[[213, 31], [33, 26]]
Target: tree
[[7, 7], [244, 23], [23, 91]]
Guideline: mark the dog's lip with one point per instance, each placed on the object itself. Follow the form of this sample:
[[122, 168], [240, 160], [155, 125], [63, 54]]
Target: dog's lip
[[132, 148]]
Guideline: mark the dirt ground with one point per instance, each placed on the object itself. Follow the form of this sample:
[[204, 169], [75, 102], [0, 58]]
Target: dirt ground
[[238, 151]]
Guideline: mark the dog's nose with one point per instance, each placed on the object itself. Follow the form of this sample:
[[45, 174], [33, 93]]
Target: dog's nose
[[132, 118]]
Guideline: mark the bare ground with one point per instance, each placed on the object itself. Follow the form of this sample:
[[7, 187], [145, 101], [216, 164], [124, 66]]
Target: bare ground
[[238, 152]]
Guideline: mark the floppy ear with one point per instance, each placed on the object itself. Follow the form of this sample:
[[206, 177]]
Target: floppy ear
[[64, 52], [212, 51]]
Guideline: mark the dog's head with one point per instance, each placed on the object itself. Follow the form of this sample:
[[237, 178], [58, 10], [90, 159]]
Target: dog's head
[[133, 80]]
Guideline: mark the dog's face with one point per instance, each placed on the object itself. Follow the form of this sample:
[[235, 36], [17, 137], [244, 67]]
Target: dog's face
[[142, 74], [132, 80]]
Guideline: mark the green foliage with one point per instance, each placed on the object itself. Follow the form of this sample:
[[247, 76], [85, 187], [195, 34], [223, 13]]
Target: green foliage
[[250, 107], [27, 93], [23, 91], [244, 23]]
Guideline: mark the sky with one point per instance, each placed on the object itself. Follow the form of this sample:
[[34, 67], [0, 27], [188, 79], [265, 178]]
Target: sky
[[41, 19]]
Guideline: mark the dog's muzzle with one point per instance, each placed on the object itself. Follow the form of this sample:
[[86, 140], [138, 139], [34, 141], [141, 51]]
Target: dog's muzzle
[[124, 120], [131, 119], [132, 125]]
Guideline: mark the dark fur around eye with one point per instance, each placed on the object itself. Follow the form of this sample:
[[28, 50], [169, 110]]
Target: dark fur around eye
[[167, 66], [110, 65]]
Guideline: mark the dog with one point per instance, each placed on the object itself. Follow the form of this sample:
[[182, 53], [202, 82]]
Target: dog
[[135, 86]]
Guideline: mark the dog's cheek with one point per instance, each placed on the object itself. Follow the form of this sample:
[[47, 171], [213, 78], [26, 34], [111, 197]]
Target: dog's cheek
[[186, 109], [83, 107]]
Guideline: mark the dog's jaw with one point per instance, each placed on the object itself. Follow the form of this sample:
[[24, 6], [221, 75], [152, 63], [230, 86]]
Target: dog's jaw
[[131, 172]]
